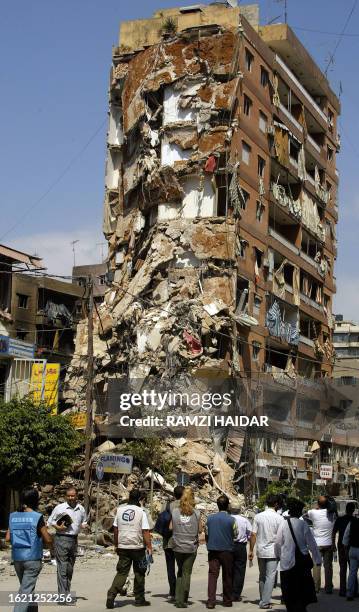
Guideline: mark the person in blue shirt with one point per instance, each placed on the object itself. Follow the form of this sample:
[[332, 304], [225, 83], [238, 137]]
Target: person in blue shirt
[[221, 532], [27, 533]]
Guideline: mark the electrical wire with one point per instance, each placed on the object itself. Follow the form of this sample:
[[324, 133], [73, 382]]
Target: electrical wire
[[332, 55], [54, 183]]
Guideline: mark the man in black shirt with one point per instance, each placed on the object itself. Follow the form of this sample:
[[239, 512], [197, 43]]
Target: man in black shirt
[[339, 528]]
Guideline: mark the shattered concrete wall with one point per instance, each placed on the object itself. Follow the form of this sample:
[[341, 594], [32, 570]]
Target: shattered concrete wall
[[172, 256]]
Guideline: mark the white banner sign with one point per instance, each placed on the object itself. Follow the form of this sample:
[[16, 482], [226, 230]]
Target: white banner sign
[[326, 472], [116, 464]]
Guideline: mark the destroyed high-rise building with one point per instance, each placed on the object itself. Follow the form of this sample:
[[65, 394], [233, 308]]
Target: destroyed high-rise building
[[220, 203]]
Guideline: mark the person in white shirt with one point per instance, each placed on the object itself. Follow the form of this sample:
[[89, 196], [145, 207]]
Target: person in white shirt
[[323, 524], [240, 552], [67, 518], [264, 531], [295, 576], [132, 539]]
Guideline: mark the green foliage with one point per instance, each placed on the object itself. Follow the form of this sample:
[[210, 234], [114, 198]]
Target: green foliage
[[151, 452], [35, 446], [274, 488], [169, 26]]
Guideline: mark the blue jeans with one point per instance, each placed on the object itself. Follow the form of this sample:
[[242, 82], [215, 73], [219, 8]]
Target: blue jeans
[[267, 576], [27, 573], [353, 570]]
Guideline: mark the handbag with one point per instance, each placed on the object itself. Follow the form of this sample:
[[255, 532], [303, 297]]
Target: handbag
[[302, 561]]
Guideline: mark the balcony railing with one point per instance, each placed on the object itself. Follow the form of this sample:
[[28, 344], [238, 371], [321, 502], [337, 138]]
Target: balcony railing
[[313, 143], [289, 115], [305, 93], [306, 341], [283, 240], [307, 300]]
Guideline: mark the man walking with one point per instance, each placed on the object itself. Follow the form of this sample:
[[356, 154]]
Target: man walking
[[221, 531], [240, 552], [340, 526], [323, 525], [67, 518], [264, 533], [351, 542], [132, 539]]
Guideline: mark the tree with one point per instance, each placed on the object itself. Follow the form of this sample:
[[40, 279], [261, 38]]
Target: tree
[[35, 445]]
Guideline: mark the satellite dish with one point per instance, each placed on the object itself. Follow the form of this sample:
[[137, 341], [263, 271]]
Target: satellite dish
[[232, 3]]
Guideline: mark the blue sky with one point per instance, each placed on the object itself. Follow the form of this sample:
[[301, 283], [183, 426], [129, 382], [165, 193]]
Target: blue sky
[[54, 66]]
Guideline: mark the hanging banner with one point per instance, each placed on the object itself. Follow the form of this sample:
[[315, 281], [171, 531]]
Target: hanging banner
[[45, 384]]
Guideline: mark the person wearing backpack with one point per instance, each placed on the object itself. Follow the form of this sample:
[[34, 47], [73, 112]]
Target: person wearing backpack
[[27, 533], [162, 527], [293, 542]]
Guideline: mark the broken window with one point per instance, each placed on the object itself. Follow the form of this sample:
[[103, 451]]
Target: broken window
[[264, 77], [22, 300], [246, 152], [259, 210], [21, 334], [242, 293], [263, 122], [241, 247], [261, 166], [257, 301], [222, 200], [256, 347], [259, 256], [247, 104], [294, 149], [248, 60]]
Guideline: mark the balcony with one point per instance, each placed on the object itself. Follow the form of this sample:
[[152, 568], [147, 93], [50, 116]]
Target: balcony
[[289, 116], [306, 341], [307, 300], [302, 89], [313, 143], [283, 240]]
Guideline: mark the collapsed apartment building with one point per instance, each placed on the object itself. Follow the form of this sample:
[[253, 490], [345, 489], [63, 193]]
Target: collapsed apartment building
[[220, 214]]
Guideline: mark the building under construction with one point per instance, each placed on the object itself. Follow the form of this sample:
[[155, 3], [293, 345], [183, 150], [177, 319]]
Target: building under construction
[[220, 215]]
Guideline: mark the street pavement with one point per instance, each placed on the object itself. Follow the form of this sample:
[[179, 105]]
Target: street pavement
[[93, 577]]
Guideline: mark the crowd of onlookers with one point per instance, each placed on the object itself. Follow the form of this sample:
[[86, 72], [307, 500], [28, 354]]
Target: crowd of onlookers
[[291, 547]]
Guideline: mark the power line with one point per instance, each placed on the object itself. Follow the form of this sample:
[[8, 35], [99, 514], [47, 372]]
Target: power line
[[55, 182], [332, 56], [324, 32]]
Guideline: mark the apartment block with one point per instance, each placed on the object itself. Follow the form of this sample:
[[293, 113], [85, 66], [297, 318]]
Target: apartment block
[[220, 213], [227, 132]]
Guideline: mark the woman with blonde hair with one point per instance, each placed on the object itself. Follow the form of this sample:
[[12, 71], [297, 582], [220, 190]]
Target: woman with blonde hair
[[186, 527]]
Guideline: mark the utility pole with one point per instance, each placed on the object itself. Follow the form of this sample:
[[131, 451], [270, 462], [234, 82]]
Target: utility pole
[[89, 395]]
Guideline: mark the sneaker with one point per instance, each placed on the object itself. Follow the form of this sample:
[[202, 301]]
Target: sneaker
[[171, 598], [110, 604]]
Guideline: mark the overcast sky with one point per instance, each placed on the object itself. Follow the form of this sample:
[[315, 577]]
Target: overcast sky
[[55, 60]]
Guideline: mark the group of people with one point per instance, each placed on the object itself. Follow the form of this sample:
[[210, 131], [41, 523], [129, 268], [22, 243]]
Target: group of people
[[297, 544], [28, 535]]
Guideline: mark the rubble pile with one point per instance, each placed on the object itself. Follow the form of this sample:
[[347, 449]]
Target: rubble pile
[[208, 473], [172, 257]]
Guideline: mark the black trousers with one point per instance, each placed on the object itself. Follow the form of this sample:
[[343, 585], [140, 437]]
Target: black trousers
[[239, 568], [171, 570]]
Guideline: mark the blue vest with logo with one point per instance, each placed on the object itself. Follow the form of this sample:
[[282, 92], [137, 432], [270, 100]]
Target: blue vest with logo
[[26, 544]]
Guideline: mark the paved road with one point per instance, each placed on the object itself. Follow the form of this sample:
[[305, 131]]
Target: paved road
[[93, 576]]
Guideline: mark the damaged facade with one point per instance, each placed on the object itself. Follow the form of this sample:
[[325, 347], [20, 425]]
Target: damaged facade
[[220, 207]]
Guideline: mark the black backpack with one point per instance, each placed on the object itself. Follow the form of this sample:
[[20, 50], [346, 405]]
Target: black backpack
[[163, 523]]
